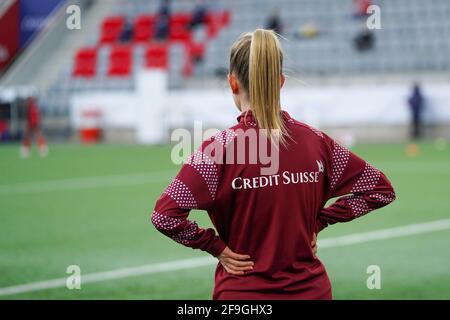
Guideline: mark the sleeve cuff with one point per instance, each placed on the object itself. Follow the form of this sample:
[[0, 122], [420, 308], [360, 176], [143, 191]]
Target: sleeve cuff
[[320, 225], [217, 247]]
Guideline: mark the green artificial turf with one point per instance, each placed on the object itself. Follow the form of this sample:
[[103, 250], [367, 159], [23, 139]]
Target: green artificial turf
[[54, 214]]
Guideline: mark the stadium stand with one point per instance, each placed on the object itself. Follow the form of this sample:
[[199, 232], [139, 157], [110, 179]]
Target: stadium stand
[[402, 45]]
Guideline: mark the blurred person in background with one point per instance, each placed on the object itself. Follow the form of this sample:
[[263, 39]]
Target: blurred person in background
[[267, 223], [32, 129], [127, 31], [163, 21], [198, 15], [3, 130], [307, 31], [162, 28], [361, 7], [364, 40], [416, 107], [274, 22], [164, 9]]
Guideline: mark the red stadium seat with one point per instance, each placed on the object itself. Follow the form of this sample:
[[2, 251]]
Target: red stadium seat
[[216, 21], [85, 63], [226, 17], [179, 27], [144, 27], [111, 29], [156, 56], [180, 19], [120, 61], [180, 33], [195, 50], [213, 24]]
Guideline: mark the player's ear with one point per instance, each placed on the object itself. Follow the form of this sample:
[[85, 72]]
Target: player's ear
[[233, 83], [282, 80]]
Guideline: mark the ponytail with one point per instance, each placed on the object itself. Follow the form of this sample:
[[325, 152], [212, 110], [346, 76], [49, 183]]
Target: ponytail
[[257, 59]]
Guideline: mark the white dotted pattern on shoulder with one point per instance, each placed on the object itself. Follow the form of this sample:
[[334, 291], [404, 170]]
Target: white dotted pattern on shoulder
[[316, 131], [340, 159], [162, 222], [181, 194], [368, 180], [358, 205], [207, 169], [188, 234], [225, 137]]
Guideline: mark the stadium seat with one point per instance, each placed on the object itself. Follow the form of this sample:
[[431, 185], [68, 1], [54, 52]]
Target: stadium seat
[[179, 27], [120, 61], [225, 18], [85, 63], [111, 29], [156, 56], [213, 23], [180, 34], [180, 19], [195, 50], [144, 28]]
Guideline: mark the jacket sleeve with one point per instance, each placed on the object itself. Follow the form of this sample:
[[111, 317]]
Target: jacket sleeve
[[360, 187], [194, 187]]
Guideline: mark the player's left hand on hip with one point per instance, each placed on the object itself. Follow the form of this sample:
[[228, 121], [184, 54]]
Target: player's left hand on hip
[[235, 263]]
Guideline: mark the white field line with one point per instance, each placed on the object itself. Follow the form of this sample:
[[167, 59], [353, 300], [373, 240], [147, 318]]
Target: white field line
[[111, 275], [177, 265], [86, 183], [383, 234], [416, 168]]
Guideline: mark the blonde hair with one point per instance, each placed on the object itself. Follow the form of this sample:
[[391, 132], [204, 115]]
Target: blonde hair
[[256, 59]]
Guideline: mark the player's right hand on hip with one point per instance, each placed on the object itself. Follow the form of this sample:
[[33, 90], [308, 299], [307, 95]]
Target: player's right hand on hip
[[235, 263]]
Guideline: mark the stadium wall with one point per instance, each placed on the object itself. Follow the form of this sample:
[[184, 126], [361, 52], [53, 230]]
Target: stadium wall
[[126, 116], [366, 112]]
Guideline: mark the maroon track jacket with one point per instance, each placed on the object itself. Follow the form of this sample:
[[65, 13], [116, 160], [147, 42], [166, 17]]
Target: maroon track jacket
[[272, 217]]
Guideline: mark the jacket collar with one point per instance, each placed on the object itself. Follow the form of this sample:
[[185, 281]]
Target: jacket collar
[[247, 117]]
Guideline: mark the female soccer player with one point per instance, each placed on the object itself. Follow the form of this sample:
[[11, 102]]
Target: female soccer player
[[265, 222], [33, 128]]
